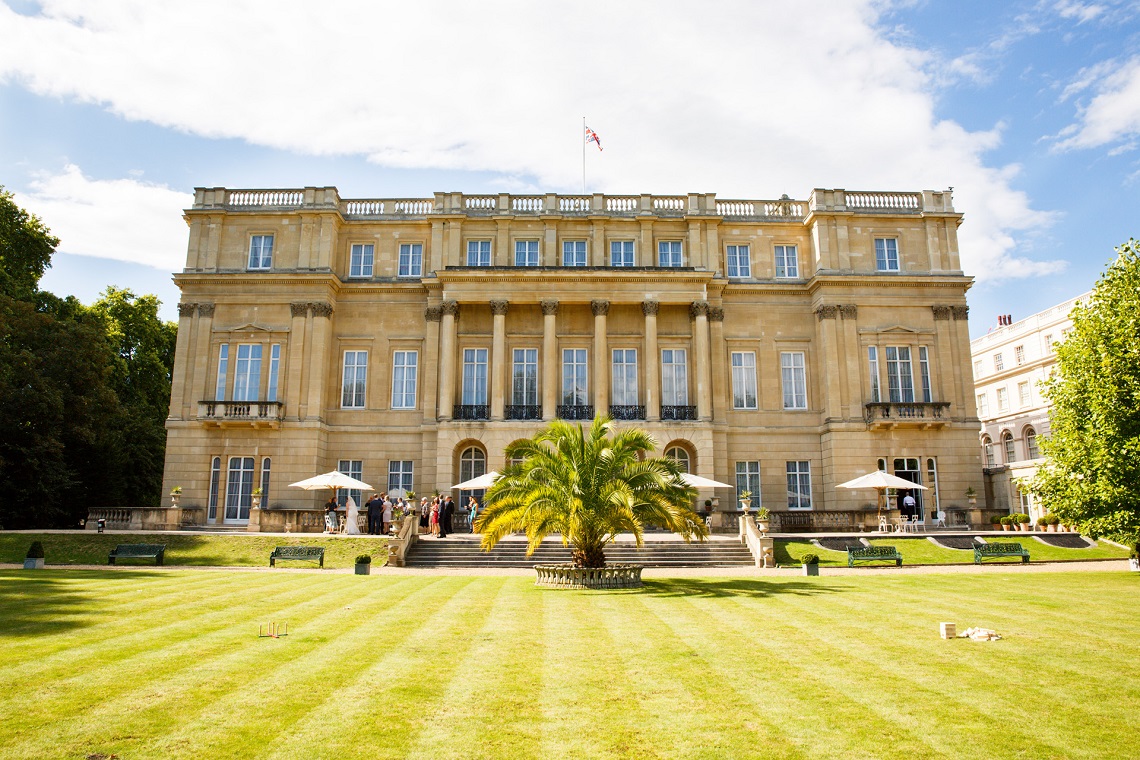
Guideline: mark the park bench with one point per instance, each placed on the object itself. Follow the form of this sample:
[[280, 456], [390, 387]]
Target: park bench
[[137, 551], [989, 551], [298, 553], [873, 554]]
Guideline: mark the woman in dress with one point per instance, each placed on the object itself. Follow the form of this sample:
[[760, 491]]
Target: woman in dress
[[352, 518], [425, 508], [435, 517]]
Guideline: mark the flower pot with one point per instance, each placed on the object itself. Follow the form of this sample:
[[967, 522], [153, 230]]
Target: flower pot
[[1005, 527], [811, 569], [1052, 528], [363, 568], [174, 497], [744, 504], [33, 563], [762, 525]]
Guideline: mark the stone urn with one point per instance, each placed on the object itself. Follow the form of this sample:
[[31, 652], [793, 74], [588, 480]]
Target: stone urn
[[1133, 564], [174, 498], [762, 525], [255, 500]]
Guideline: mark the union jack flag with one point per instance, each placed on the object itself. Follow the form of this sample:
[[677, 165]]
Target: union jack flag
[[592, 136]]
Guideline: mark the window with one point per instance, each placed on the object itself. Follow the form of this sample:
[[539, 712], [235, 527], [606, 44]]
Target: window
[[524, 377], [353, 468], [794, 379], [1023, 394], [983, 405], [1002, 400], [669, 253], [1007, 446], [787, 261], [999, 363], [247, 372], [355, 374], [574, 385], [405, 366], [478, 253], [1048, 343], [988, 451], [399, 475], [274, 370], [621, 253], [799, 485], [266, 464], [1019, 355], [932, 478], [978, 368], [743, 380], [674, 377], [573, 253], [873, 366], [739, 261], [680, 456], [526, 253], [261, 251], [360, 260], [239, 489], [900, 379], [223, 368], [748, 479], [472, 464], [474, 376], [215, 480], [411, 262], [924, 373], [886, 254], [624, 388], [1031, 451]]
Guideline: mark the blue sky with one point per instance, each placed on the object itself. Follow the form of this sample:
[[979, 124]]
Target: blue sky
[[112, 112]]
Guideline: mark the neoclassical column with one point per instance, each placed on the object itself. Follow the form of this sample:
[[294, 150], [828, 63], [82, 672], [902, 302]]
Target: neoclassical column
[[549, 359], [319, 356], [182, 374], [717, 365], [429, 365], [826, 316], [699, 311], [964, 386], [498, 357], [652, 363], [601, 357], [447, 337], [295, 360], [202, 381]]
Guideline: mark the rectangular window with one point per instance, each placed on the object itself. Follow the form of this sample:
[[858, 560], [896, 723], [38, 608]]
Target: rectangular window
[[1019, 355], [739, 261], [526, 253], [624, 388], [674, 377], [223, 368], [575, 389], [266, 465], [355, 375], [474, 376], [360, 260], [478, 253], [524, 377], [1023, 394], [983, 405], [1048, 343], [411, 262], [353, 468], [405, 366], [787, 261], [924, 373], [399, 475], [1031, 451], [743, 380], [260, 251], [621, 253], [215, 482], [748, 479], [886, 254], [799, 485], [239, 489], [1002, 400], [794, 378], [873, 367], [274, 370], [999, 363], [573, 253], [247, 372], [900, 377], [988, 448], [978, 368], [669, 253]]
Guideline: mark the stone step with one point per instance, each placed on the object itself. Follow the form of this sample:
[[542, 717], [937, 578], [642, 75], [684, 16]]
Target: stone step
[[464, 551]]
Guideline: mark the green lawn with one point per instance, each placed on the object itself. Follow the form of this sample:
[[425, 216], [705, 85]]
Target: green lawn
[[919, 551], [240, 550], [148, 664]]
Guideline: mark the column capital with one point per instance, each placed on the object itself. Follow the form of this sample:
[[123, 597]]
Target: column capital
[[549, 307], [649, 308], [321, 309], [600, 308], [499, 307], [205, 310], [960, 312], [449, 307], [716, 314], [433, 313], [698, 309], [848, 311], [187, 309], [827, 311], [298, 309], [941, 312]]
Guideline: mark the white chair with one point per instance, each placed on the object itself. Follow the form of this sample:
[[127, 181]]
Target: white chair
[[332, 523], [939, 519], [884, 526]]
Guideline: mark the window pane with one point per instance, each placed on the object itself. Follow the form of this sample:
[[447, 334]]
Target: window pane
[[526, 253], [787, 261], [674, 377], [743, 380], [353, 381], [524, 377], [574, 253], [748, 479], [411, 260], [223, 368], [739, 261], [624, 387], [794, 380], [474, 376], [360, 260], [404, 374], [669, 253], [274, 368], [574, 386]]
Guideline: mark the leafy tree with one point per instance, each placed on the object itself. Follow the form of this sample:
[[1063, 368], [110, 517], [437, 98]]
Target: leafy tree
[[588, 487], [26, 247], [1093, 475]]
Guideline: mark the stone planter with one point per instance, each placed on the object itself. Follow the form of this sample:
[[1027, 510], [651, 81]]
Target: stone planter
[[762, 525], [33, 563], [1006, 527], [568, 576], [1051, 528], [174, 498], [363, 568], [1133, 565], [811, 569]]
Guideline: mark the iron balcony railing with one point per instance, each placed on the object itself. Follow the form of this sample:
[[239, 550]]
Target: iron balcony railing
[[524, 412], [471, 412], [576, 411], [678, 412], [627, 412]]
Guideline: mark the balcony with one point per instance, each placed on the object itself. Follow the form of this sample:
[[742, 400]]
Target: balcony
[[471, 412], [241, 413], [678, 413], [627, 412], [523, 412], [919, 414], [575, 411]]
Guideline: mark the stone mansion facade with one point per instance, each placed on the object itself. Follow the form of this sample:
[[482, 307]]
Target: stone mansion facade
[[784, 346]]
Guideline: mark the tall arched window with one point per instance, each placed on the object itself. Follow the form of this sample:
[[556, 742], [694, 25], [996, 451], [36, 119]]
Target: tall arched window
[[679, 454], [1007, 446], [472, 463], [1031, 451], [988, 450]]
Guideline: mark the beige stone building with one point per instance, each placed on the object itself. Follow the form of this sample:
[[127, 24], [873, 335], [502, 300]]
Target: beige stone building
[[784, 345]]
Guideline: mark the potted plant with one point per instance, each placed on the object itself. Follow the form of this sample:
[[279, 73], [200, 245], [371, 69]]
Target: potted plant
[[363, 564], [1053, 521], [762, 518], [971, 495], [34, 560], [810, 563], [995, 521], [256, 498], [175, 495], [708, 505], [1005, 522], [1023, 522], [745, 501]]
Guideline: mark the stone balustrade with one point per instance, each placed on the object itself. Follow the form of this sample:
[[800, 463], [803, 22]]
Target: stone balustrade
[[568, 576]]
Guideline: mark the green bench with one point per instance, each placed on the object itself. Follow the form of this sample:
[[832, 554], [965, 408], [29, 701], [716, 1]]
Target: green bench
[[989, 551], [873, 554], [298, 553], [137, 551]]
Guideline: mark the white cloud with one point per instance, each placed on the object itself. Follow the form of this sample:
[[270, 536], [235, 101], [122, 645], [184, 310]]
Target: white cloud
[[1112, 114], [747, 99], [1082, 12], [121, 219]]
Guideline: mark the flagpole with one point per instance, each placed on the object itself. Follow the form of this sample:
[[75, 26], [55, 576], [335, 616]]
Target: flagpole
[[583, 139]]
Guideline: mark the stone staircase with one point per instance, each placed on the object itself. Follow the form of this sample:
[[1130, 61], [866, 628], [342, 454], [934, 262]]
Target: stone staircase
[[462, 550]]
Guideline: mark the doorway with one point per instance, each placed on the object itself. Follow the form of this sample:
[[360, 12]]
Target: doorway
[[909, 469]]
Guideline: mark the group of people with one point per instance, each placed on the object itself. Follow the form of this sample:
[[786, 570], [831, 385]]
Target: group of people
[[437, 515]]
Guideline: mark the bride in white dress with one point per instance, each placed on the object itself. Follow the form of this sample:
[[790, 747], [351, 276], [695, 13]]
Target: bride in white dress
[[351, 523]]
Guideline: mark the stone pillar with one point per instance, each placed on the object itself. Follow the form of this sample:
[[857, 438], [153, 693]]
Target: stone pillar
[[942, 359], [827, 315], [498, 358], [652, 363], [699, 311], [318, 358], [601, 358], [963, 386], [549, 359], [186, 312], [447, 338], [429, 364], [295, 359], [202, 381], [717, 364]]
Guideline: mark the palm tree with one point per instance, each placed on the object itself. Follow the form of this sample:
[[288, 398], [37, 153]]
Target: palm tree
[[589, 488]]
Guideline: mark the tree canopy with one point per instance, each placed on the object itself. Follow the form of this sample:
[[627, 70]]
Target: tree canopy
[[587, 486], [1093, 474]]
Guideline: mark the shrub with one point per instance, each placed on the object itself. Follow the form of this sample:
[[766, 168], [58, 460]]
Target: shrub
[[763, 513], [708, 503], [1007, 520], [1054, 520], [364, 559], [1023, 518], [810, 559], [36, 550], [995, 519], [1042, 520]]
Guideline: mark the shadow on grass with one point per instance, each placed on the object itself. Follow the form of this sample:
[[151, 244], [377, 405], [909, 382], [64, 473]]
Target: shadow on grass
[[717, 588], [36, 603]]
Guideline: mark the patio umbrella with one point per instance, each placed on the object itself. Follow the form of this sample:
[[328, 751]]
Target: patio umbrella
[[880, 481], [333, 480], [479, 483], [696, 481]]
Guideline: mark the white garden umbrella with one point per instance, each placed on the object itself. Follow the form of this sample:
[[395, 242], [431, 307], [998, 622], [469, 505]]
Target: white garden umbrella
[[479, 483], [333, 480], [696, 481], [880, 481]]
